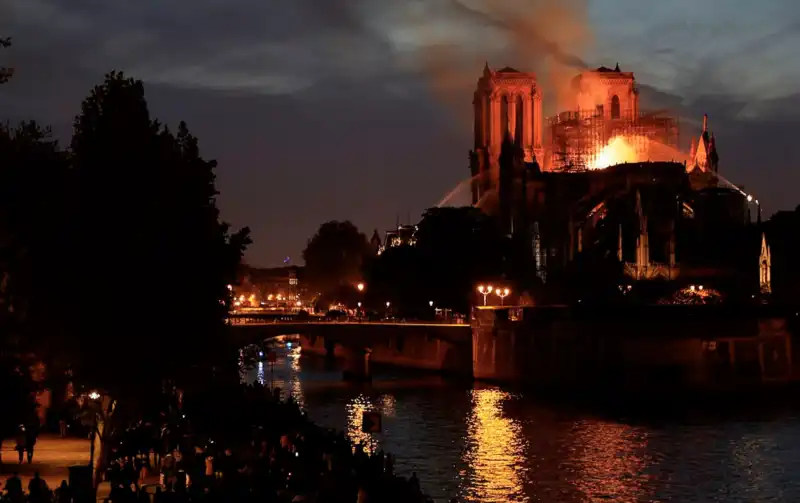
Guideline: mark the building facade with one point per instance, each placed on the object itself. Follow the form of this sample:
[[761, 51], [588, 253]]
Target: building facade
[[608, 180]]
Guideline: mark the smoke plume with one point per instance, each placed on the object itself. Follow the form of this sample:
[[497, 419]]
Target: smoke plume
[[543, 36]]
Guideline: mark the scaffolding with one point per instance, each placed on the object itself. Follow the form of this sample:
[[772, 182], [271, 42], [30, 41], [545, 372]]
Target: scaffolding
[[577, 138]]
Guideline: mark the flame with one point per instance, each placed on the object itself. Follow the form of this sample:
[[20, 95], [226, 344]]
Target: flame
[[618, 151]]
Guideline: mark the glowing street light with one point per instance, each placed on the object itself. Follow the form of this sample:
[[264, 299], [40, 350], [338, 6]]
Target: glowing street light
[[485, 291], [502, 294], [388, 304], [94, 395], [359, 305], [430, 303], [360, 287]]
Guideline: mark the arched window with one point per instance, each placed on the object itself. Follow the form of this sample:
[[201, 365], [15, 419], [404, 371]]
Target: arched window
[[615, 107], [519, 129], [503, 117]]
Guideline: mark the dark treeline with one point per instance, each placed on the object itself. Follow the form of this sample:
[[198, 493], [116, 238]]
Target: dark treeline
[[113, 258], [452, 250]]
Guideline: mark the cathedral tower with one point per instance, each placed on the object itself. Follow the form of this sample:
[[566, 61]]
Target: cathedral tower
[[507, 102], [609, 93]]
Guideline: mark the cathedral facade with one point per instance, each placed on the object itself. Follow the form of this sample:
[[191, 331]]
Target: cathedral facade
[[608, 181]]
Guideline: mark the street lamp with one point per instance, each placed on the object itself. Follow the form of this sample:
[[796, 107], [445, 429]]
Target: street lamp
[[430, 303], [502, 294], [485, 291], [388, 304], [360, 287], [93, 406]]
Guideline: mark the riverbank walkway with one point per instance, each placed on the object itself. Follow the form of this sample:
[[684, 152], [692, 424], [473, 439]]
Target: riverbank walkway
[[52, 457]]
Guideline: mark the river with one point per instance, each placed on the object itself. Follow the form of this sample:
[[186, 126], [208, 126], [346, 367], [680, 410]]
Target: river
[[487, 444]]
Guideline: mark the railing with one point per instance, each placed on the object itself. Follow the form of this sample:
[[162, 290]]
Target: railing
[[288, 319]]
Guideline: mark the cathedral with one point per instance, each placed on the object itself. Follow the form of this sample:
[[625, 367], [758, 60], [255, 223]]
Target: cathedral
[[607, 180]]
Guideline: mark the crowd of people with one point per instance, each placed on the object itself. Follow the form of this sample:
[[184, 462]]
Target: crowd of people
[[273, 453]]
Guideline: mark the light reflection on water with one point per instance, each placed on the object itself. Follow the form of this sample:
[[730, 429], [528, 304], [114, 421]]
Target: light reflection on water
[[355, 410], [611, 461], [488, 445], [494, 451]]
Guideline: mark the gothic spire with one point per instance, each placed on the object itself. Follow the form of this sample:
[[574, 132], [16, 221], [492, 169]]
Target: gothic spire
[[640, 212], [713, 156]]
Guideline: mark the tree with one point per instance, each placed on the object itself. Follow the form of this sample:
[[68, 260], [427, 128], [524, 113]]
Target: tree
[[5, 73], [148, 259], [455, 249], [399, 276], [17, 400], [334, 256], [32, 175], [459, 247]]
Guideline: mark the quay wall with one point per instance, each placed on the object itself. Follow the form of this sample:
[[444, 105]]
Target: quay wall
[[633, 350], [639, 349], [433, 347]]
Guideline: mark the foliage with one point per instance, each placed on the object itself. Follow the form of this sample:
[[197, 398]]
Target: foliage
[[334, 256], [398, 276], [113, 259], [17, 398], [456, 248], [5, 73], [148, 260], [32, 173]]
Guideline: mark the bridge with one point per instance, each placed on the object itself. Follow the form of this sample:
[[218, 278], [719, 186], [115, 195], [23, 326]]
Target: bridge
[[445, 347]]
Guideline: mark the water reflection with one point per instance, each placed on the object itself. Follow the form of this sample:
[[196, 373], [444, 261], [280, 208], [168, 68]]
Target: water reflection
[[487, 445], [494, 451], [355, 413], [260, 373], [293, 357], [610, 461], [388, 405], [757, 471]]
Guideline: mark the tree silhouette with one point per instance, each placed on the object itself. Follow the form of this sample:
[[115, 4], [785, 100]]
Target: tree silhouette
[[398, 276], [334, 256], [32, 174], [147, 262], [460, 248], [455, 249]]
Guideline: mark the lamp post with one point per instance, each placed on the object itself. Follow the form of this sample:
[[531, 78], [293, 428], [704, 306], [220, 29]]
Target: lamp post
[[502, 294], [485, 291], [93, 396], [360, 287]]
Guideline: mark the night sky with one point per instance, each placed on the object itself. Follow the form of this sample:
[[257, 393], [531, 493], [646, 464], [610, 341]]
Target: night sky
[[360, 109]]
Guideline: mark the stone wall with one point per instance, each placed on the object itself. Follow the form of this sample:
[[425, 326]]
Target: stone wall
[[427, 347], [644, 349]]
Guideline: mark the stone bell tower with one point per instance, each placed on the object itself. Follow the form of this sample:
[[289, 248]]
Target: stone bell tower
[[507, 102]]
